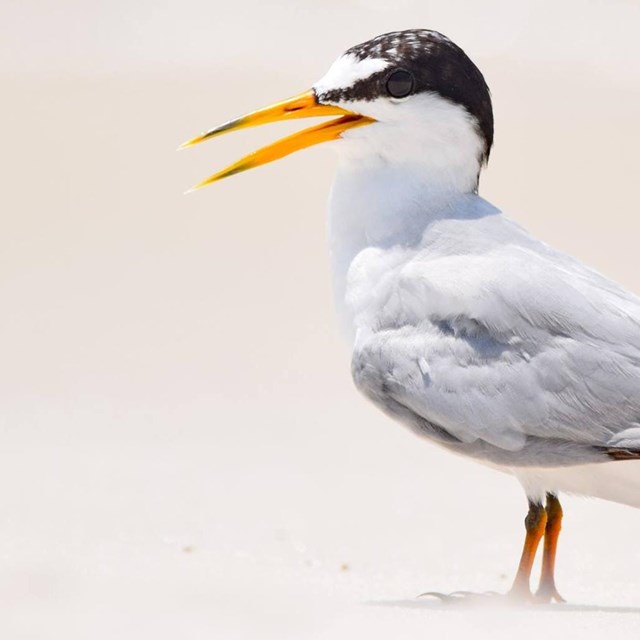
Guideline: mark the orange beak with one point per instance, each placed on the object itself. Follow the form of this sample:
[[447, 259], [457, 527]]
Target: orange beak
[[305, 105]]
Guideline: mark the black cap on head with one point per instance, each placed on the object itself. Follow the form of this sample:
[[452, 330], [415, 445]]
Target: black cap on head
[[422, 61]]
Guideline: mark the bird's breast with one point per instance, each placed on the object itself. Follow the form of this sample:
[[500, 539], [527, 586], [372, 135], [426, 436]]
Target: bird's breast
[[378, 217]]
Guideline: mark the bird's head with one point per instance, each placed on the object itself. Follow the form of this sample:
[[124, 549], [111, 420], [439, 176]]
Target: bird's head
[[406, 98]]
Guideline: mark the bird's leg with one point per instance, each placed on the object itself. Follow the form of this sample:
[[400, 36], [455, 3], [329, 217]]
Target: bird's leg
[[540, 521], [534, 523], [547, 590]]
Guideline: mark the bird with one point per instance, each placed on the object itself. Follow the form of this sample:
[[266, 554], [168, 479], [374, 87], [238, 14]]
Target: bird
[[463, 326]]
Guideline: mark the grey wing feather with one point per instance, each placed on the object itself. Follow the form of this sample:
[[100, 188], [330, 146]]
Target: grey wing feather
[[508, 348]]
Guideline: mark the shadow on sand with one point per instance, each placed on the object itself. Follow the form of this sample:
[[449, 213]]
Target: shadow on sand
[[496, 603]]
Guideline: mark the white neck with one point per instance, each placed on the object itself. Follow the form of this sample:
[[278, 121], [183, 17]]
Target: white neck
[[381, 206]]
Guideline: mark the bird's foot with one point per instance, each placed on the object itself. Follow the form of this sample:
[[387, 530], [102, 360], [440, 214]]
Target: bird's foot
[[516, 595], [547, 593], [520, 594], [456, 597]]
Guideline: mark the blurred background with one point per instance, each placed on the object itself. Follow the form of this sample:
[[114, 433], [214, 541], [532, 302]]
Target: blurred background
[[182, 451]]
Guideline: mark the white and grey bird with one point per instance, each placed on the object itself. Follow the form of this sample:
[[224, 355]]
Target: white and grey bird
[[463, 326]]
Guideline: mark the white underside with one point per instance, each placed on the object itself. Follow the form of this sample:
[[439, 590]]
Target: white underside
[[617, 481]]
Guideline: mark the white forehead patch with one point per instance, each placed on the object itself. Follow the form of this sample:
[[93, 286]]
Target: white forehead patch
[[347, 70]]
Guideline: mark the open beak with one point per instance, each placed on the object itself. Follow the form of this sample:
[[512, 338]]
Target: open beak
[[305, 105]]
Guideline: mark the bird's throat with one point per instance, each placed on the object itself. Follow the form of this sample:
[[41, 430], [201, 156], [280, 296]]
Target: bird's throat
[[383, 207]]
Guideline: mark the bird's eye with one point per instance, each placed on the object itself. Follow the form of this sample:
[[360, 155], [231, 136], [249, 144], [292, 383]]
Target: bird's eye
[[400, 84]]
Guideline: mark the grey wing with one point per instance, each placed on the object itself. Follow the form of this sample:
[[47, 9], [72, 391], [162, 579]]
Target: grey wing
[[508, 352]]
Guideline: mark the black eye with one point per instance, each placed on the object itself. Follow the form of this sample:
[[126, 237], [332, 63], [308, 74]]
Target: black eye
[[400, 84]]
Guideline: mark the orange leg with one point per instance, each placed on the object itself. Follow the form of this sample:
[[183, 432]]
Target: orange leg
[[547, 590], [535, 524]]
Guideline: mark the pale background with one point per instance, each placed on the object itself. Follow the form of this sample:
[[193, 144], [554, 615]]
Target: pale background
[[182, 453]]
